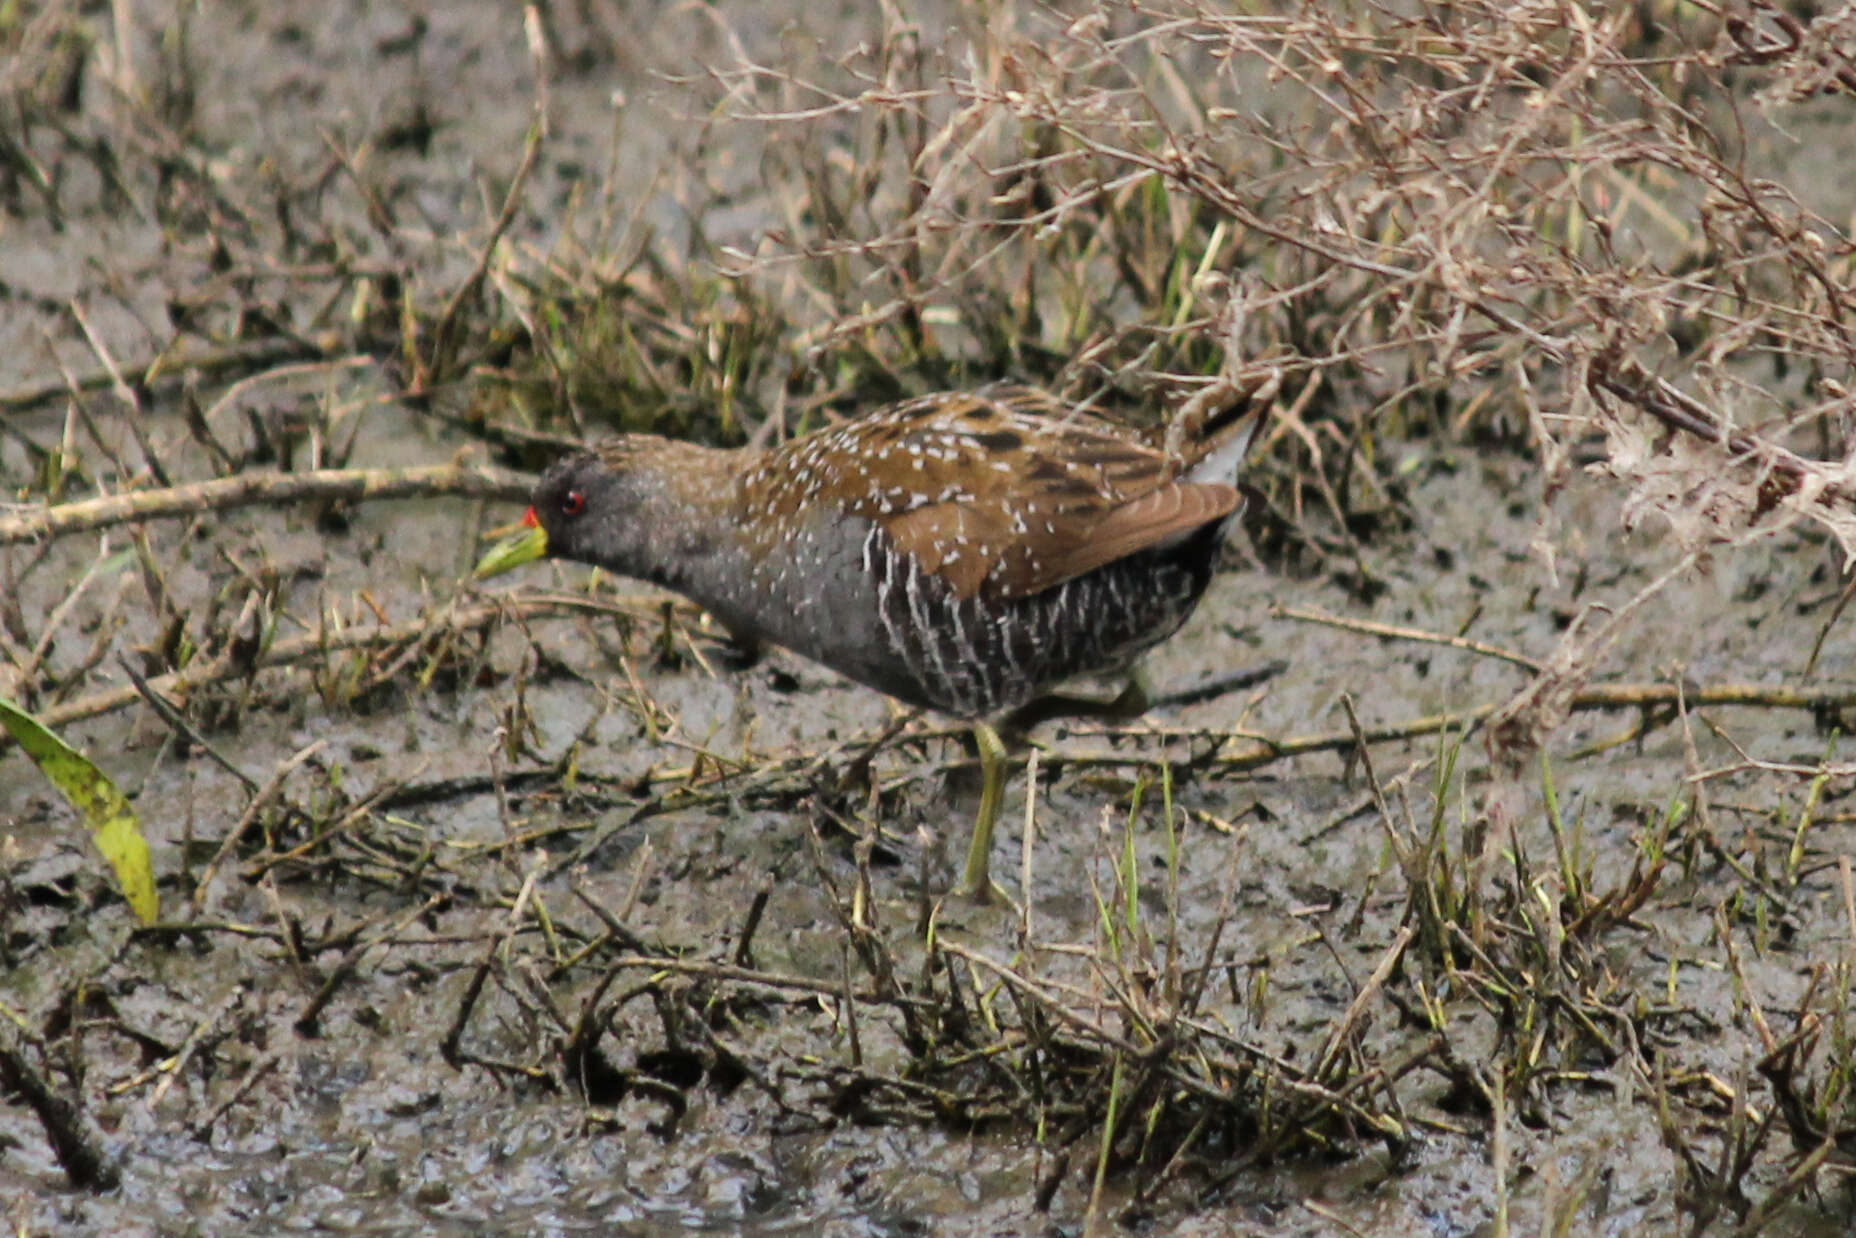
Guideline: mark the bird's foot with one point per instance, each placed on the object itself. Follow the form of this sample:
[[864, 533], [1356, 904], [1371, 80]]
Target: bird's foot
[[739, 653]]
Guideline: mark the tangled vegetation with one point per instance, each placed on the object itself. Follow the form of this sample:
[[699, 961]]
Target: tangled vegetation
[[1594, 245]]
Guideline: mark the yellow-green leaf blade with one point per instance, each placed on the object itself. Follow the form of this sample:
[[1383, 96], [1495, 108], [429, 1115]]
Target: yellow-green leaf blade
[[113, 824]]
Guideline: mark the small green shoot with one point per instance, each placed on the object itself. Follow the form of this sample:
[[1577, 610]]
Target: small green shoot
[[113, 824]]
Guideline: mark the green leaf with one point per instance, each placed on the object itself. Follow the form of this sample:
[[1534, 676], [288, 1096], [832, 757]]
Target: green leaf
[[113, 824]]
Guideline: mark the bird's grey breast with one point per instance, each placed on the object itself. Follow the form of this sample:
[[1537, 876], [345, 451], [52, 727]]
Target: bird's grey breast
[[814, 592]]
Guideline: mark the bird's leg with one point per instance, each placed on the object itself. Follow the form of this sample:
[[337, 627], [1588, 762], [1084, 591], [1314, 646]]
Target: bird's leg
[[1214, 686], [1136, 697], [977, 882], [1132, 702], [739, 652]]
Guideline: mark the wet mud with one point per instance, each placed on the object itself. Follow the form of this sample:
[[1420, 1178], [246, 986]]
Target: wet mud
[[560, 923]]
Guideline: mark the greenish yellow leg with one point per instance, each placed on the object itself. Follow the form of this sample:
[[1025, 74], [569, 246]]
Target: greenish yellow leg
[[1131, 703], [977, 883], [1136, 698]]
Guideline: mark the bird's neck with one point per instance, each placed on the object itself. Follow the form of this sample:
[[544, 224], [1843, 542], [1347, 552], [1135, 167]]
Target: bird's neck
[[688, 515]]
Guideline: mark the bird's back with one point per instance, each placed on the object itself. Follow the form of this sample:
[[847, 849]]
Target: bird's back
[[969, 552]]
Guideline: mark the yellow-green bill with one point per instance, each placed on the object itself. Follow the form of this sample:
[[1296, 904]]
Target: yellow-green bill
[[113, 824], [530, 544]]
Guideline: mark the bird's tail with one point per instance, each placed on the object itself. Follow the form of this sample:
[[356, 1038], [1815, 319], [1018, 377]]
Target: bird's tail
[[1212, 432]]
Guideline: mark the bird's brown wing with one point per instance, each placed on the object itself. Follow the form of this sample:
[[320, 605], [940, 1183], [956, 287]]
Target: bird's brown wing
[[1002, 491]]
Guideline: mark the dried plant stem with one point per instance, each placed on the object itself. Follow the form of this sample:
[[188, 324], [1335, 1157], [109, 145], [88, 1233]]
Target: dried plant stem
[[1393, 632], [260, 490], [202, 366], [231, 665], [1669, 405], [79, 1146], [444, 342], [1260, 750], [271, 789]]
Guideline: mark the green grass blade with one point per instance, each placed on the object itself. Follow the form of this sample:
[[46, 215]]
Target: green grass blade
[[113, 824]]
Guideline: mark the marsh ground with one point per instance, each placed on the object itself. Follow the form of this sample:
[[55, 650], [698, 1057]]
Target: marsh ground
[[540, 918]]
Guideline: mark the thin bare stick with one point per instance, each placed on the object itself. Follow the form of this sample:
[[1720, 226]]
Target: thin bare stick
[[235, 664], [272, 786], [1392, 632], [208, 364], [444, 335], [264, 489], [1261, 750]]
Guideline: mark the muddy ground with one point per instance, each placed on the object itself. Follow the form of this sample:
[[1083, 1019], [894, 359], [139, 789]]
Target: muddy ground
[[554, 922]]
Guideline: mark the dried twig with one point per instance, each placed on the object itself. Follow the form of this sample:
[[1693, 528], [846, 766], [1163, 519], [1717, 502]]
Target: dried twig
[[236, 664], [264, 489]]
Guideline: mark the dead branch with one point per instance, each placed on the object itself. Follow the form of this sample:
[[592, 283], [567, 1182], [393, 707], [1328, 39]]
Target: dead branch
[[204, 365], [264, 490], [235, 664]]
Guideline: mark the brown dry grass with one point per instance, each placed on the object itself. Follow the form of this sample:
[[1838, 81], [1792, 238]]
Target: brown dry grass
[[1535, 228]]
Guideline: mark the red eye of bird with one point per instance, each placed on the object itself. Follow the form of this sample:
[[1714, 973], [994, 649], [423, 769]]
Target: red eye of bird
[[573, 503]]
